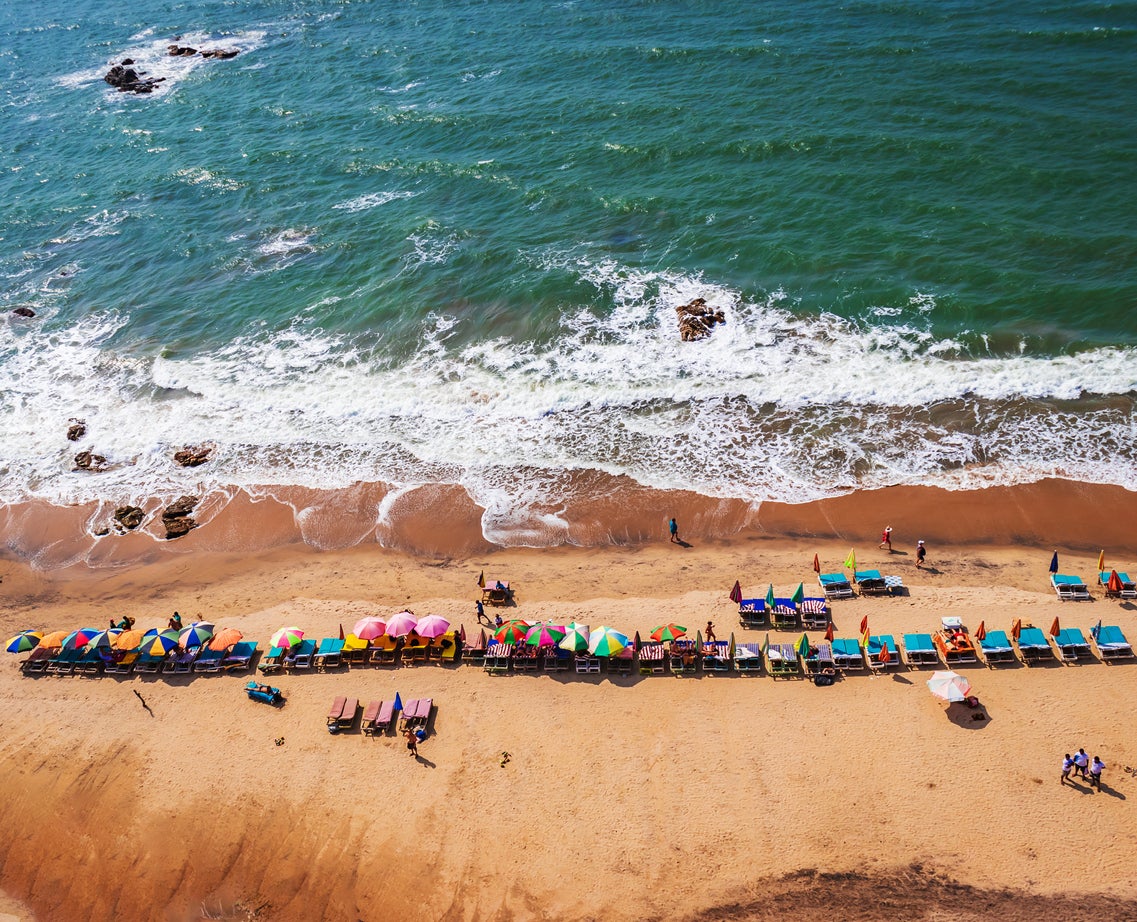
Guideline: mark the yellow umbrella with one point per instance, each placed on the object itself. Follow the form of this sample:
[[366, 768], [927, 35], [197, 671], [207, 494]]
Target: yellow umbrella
[[54, 639]]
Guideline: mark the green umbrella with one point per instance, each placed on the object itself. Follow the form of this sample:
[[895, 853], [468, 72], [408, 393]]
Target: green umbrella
[[576, 638], [770, 598], [606, 641], [160, 644], [667, 632], [799, 594], [24, 641]]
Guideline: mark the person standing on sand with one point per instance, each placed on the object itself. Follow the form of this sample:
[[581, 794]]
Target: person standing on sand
[[1067, 764], [412, 742], [710, 632], [1095, 772], [886, 538], [921, 554], [673, 527], [1081, 763]]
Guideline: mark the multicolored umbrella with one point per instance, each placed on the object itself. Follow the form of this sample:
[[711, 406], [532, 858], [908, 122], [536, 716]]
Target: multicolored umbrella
[[196, 635], [576, 637], [950, 686], [103, 640], [432, 626], [607, 641], [286, 637], [79, 638], [668, 632], [54, 640], [402, 624], [24, 641], [225, 638], [161, 644], [369, 628], [545, 635], [512, 631]]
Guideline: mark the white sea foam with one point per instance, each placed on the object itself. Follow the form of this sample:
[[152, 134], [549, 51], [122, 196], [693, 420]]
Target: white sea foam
[[372, 200]]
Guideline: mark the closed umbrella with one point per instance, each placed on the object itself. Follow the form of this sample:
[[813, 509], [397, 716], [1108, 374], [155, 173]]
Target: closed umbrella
[[432, 626], [950, 686], [23, 642], [402, 624], [606, 641], [369, 628], [225, 638]]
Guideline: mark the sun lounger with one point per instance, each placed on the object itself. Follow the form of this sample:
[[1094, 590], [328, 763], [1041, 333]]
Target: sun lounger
[[1069, 588], [819, 659], [240, 657], [355, 650], [1033, 646], [954, 643], [386, 717], [384, 651], [683, 656], [1112, 643], [497, 592], [36, 661], [919, 650], [150, 662], [347, 718], [814, 613], [623, 662], [301, 656], [414, 651], [652, 658], [274, 662], [329, 654], [784, 615], [586, 664], [525, 658], [180, 662], [716, 656], [447, 647], [752, 613], [835, 585], [336, 713], [416, 713], [748, 658], [209, 661], [877, 644], [1128, 587], [64, 662], [782, 660], [1072, 644], [370, 715], [870, 582], [847, 653], [475, 651], [90, 663], [498, 656], [996, 648], [557, 660]]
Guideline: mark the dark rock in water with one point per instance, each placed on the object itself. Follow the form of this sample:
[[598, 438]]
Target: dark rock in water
[[696, 320], [76, 430], [86, 461], [175, 528], [129, 517], [128, 80], [180, 51], [221, 53], [24, 312], [126, 62], [177, 519], [192, 456], [102, 531]]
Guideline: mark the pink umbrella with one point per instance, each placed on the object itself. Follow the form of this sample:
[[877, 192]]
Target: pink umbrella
[[369, 628], [402, 624], [432, 626]]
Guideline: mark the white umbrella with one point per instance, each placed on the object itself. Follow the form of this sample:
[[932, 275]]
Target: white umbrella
[[950, 686]]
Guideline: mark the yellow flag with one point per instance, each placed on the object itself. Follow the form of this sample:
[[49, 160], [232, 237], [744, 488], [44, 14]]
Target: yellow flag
[[1101, 561], [851, 560]]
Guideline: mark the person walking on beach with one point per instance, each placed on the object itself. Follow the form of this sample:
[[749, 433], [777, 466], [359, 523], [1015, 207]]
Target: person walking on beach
[[921, 554], [710, 632], [886, 538], [1067, 765], [1081, 763], [1095, 772], [673, 527], [412, 742]]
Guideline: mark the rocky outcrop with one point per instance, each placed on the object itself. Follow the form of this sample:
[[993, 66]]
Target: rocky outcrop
[[87, 461], [76, 430], [129, 517], [222, 54], [193, 455], [126, 79], [177, 519], [180, 51], [696, 320], [24, 312]]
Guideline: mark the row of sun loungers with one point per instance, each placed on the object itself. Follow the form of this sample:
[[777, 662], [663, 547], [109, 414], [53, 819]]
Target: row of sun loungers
[[379, 716], [1070, 588], [785, 614], [237, 658]]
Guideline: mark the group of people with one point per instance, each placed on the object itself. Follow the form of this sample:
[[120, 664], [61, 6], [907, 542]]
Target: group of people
[[921, 547], [1082, 765]]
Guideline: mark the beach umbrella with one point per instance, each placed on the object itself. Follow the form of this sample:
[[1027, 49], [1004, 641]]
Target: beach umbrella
[[54, 640], [129, 640], [1055, 630], [950, 686], [23, 642], [1101, 561], [606, 641], [851, 560], [544, 635], [1114, 584], [195, 635], [1095, 630], [770, 598], [885, 655], [981, 631], [829, 632], [225, 638], [432, 626], [799, 594], [103, 640], [512, 631], [802, 646], [1016, 628], [161, 644], [401, 624], [286, 637], [1054, 563], [369, 628], [669, 631], [576, 637], [736, 593], [816, 564], [80, 638]]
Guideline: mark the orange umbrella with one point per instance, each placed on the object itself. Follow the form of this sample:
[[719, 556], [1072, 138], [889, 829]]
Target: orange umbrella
[[829, 632], [128, 640], [1054, 629], [1114, 584], [225, 638], [1016, 628], [981, 631], [54, 639]]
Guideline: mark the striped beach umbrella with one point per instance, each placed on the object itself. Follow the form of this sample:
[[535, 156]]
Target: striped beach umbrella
[[369, 628], [103, 640], [545, 635], [512, 631], [432, 626], [286, 637], [197, 634], [668, 632], [576, 637], [79, 638], [23, 642], [402, 624], [606, 641], [160, 644]]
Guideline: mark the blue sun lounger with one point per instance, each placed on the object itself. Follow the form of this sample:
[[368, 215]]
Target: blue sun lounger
[[1128, 587], [752, 613], [1071, 644], [209, 660], [996, 648], [847, 653], [873, 650], [1112, 643], [785, 615], [836, 585], [1033, 645], [301, 655], [240, 657], [870, 582], [1069, 588], [919, 650], [329, 653]]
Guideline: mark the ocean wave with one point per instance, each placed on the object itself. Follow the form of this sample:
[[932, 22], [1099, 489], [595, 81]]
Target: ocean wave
[[372, 200]]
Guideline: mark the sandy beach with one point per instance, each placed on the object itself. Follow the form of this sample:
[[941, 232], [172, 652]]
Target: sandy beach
[[704, 797]]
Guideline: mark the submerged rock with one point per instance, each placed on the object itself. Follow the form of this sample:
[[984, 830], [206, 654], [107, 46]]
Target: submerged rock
[[193, 455], [24, 312], [696, 320], [128, 80], [76, 430], [222, 54], [87, 461]]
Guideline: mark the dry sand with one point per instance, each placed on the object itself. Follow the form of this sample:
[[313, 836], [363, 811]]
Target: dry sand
[[708, 797]]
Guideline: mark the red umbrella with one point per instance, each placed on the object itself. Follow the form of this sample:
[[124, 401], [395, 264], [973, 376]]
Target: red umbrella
[[885, 656], [816, 564], [1054, 629], [1114, 584], [829, 632], [864, 624], [736, 593], [1016, 628], [981, 631]]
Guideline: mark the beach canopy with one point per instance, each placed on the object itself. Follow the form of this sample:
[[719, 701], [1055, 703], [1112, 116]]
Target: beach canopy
[[54, 640], [576, 637], [607, 641], [544, 635], [161, 644], [225, 638], [23, 642], [103, 640], [369, 628], [286, 637], [668, 632], [196, 635], [950, 686], [514, 631], [432, 626], [401, 624]]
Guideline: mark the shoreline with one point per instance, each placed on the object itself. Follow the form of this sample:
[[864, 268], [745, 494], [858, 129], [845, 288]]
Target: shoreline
[[443, 522]]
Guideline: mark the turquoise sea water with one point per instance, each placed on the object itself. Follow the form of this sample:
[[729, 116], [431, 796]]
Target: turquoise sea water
[[384, 228]]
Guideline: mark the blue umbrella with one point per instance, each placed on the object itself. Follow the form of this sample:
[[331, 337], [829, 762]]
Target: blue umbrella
[[1054, 563]]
